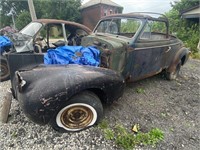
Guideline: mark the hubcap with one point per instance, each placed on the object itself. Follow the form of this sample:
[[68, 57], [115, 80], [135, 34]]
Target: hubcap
[[76, 117]]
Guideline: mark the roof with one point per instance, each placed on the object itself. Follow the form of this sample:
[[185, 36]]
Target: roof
[[96, 2], [47, 21], [139, 15], [193, 12]]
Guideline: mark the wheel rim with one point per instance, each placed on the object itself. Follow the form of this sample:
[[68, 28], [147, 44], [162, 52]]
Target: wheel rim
[[76, 116], [3, 71]]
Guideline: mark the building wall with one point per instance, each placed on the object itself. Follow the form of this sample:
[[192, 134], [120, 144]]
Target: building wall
[[91, 15], [108, 10]]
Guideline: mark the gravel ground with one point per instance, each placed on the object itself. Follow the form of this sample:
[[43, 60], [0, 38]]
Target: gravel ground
[[172, 106]]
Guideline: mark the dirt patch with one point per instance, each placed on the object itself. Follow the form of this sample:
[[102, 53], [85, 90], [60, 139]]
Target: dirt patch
[[172, 106]]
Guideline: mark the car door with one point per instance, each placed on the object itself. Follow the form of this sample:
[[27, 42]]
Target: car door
[[150, 48]]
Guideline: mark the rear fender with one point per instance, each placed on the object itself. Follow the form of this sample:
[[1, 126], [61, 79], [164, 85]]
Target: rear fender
[[183, 55], [44, 90]]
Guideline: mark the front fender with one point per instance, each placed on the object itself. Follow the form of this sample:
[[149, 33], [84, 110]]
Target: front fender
[[181, 55], [43, 90]]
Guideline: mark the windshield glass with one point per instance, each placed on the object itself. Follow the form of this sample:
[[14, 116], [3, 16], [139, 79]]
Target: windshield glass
[[120, 26], [31, 29]]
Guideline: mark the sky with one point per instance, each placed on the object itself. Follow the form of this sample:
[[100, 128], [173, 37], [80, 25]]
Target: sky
[[158, 6]]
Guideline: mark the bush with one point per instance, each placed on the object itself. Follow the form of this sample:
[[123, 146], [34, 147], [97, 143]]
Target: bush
[[190, 36], [185, 29]]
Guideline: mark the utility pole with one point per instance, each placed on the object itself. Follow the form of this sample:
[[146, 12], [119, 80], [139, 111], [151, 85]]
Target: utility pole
[[32, 10]]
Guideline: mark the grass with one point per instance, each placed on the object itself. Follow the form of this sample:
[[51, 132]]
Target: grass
[[14, 134], [103, 124], [109, 134], [195, 55], [128, 140], [140, 90]]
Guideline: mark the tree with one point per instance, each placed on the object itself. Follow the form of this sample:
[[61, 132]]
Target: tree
[[5, 7], [186, 30], [62, 9], [23, 19], [184, 4]]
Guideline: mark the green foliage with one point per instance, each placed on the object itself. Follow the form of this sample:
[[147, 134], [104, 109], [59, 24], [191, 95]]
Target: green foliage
[[23, 19], [128, 140], [186, 30], [196, 55], [129, 26], [103, 124], [185, 4], [190, 36], [140, 90], [5, 7], [109, 134], [155, 136], [62, 9], [174, 20], [158, 27], [14, 134]]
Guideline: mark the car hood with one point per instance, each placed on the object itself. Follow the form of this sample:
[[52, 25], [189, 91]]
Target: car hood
[[112, 47]]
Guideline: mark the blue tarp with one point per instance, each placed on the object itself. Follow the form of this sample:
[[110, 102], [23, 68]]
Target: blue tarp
[[73, 55], [4, 42]]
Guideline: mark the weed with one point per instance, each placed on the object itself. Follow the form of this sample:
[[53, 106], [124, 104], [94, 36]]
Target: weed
[[103, 124], [129, 140], [109, 134], [164, 115], [14, 134], [126, 141], [120, 130], [196, 55], [172, 129], [140, 90], [155, 136]]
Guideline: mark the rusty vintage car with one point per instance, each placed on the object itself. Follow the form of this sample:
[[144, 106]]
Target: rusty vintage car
[[41, 35], [69, 97]]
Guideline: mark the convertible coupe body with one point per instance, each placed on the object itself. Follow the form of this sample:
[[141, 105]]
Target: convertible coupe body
[[132, 46]]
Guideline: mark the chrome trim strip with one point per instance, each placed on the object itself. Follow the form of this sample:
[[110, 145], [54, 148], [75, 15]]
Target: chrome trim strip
[[136, 49]]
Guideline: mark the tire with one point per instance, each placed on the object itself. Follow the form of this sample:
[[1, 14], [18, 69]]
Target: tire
[[173, 75], [80, 112], [4, 71]]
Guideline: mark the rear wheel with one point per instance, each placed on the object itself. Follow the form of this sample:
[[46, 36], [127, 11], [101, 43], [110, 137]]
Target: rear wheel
[[173, 75], [4, 71], [80, 112]]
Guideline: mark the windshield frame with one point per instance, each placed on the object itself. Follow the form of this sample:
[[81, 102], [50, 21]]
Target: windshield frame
[[121, 18]]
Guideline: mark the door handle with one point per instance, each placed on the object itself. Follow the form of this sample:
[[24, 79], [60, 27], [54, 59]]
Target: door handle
[[169, 48]]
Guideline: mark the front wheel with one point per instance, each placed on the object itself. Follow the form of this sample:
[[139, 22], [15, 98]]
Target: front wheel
[[173, 75], [80, 112]]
